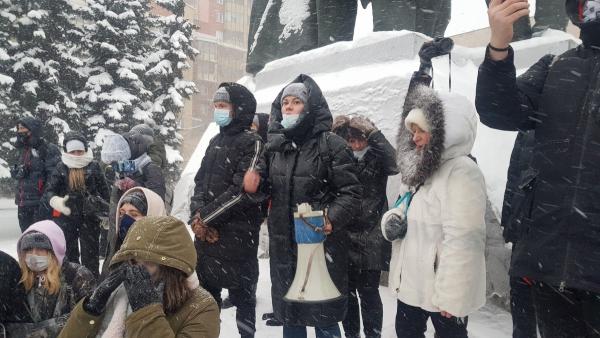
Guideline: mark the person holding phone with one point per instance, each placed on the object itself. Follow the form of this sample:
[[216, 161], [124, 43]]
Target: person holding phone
[[556, 245]]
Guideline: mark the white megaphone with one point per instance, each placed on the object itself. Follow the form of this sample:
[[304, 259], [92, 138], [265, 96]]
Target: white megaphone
[[312, 282]]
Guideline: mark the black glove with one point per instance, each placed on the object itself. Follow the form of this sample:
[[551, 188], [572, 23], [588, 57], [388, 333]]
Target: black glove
[[395, 227], [434, 48], [140, 289], [96, 303]]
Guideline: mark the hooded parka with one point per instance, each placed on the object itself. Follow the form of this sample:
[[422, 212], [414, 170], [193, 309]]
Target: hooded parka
[[308, 164], [156, 207], [220, 202], [440, 264], [165, 241]]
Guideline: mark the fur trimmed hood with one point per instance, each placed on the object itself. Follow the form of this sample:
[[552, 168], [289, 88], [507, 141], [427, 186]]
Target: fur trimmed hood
[[453, 122]]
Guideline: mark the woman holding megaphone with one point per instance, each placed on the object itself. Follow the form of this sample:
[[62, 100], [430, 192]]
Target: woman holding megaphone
[[310, 174]]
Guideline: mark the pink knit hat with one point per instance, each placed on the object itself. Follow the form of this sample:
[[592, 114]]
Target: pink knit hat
[[54, 234]]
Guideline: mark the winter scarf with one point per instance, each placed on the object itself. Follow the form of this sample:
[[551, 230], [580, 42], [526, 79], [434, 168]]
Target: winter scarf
[[415, 165], [118, 309], [77, 162]]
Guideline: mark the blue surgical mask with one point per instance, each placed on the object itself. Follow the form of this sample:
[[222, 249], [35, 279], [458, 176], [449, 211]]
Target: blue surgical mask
[[222, 117], [126, 223], [289, 121]]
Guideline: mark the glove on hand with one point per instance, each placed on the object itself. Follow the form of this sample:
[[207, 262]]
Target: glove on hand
[[96, 303], [59, 203], [363, 124], [125, 184], [140, 289], [394, 224]]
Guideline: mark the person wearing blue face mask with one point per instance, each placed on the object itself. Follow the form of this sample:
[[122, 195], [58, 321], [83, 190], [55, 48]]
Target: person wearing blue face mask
[[305, 162], [226, 220], [135, 204]]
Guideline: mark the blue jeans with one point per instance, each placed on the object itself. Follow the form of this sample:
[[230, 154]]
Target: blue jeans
[[332, 331]]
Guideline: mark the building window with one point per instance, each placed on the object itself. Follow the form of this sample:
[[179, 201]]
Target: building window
[[220, 2], [219, 36], [220, 17]]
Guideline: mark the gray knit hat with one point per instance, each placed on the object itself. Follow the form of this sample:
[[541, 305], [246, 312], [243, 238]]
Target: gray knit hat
[[298, 90], [138, 200], [35, 240], [222, 95]]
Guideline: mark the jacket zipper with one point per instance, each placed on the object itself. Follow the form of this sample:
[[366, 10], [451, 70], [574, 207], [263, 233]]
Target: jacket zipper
[[584, 119]]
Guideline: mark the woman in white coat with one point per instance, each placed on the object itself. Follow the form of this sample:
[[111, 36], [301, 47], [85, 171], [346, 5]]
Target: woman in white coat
[[438, 229]]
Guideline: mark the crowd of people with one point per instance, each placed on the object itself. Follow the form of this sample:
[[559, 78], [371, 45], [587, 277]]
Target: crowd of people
[[157, 280]]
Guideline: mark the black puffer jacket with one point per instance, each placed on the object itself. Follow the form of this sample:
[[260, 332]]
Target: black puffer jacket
[[82, 204], [221, 203], [37, 161], [309, 164], [559, 98], [369, 250], [518, 177]]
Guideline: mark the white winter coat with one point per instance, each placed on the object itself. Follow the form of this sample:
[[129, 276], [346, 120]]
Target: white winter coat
[[440, 263]]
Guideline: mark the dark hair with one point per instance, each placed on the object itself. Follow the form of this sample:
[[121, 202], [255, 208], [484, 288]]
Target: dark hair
[[176, 291]]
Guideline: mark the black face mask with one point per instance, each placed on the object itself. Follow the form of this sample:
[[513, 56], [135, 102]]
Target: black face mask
[[590, 34], [23, 138]]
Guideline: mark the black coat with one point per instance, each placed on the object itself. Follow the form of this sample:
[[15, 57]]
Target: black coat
[[558, 97], [309, 164], [12, 295], [518, 177], [37, 161], [219, 200], [83, 205], [368, 249]]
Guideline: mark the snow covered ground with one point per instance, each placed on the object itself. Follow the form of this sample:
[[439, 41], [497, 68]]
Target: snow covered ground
[[489, 322]]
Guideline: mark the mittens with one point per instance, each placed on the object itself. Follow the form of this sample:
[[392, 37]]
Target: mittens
[[125, 184], [394, 224], [59, 203], [140, 289]]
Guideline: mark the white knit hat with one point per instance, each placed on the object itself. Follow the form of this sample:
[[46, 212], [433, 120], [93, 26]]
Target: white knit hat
[[73, 145], [115, 149], [417, 116]]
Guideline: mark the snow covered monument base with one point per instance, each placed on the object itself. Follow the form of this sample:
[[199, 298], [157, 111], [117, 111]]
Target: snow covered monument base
[[370, 76]]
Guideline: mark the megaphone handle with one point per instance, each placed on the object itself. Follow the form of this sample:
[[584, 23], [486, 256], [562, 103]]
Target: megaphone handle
[[313, 227], [308, 266]]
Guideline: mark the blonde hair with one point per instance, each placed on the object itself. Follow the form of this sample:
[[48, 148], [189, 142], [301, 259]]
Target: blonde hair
[[52, 274], [76, 179]]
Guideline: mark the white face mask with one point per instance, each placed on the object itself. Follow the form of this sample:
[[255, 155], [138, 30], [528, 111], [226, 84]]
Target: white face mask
[[361, 153], [36, 263]]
